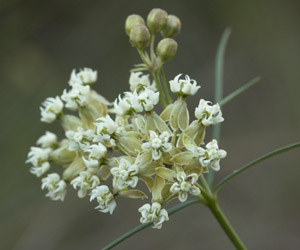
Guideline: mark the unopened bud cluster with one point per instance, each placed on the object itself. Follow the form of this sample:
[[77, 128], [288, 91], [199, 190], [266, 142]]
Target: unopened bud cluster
[[158, 21], [110, 149]]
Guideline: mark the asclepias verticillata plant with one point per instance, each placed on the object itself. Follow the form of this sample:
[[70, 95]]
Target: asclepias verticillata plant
[[111, 147]]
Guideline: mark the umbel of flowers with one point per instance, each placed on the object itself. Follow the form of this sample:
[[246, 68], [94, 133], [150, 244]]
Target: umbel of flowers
[[111, 149]]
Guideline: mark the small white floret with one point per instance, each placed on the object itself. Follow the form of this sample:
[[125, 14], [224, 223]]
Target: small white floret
[[208, 114], [153, 213], [144, 100], [158, 144], [138, 81], [79, 139], [105, 130], [48, 140], [212, 156], [105, 199], [185, 86], [125, 174], [185, 184], [97, 153], [123, 105], [85, 76], [51, 108], [76, 97], [56, 187], [85, 182]]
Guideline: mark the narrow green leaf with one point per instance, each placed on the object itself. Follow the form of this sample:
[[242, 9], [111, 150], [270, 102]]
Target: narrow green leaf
[[252, 163], [219, 69], [239, 91]]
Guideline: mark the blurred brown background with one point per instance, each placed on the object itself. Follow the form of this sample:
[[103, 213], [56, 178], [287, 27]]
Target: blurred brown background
[[42, 41]]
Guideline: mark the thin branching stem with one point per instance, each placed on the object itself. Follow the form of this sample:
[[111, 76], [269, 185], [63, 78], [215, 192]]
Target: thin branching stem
[[164, 81], [160, 90], [252, 163], [152, 53]]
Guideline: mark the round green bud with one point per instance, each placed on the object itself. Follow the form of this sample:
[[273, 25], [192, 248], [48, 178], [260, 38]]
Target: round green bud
[[139, 36], [131, 21], [156, 20], [173, 27], [166, 49]]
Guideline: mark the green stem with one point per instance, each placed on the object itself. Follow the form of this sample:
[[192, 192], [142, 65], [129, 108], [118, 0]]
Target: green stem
[[228, 229], [144, 58], [164, 81], [160, 90], [204, 183], [152, 53], [143, 226], [252, 163], [211, 203]]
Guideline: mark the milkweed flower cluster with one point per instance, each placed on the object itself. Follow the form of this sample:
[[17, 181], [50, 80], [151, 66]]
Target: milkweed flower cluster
[[111, 149]]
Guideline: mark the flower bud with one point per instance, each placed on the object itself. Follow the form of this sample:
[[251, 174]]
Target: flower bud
[[167, 49], [172, 27], [139, 36], [131, 21], [157, 20]]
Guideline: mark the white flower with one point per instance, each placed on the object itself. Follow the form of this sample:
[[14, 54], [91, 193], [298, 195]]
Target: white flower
[[85, 76], [76, 97], [153, 213], [123, 105], [40, 170], [74, 79], [125, 174], [158, 144], [138, 81], [39, 157], [97, 154], [86, 181], [47, 140], [56, 187], [105, 199], [212, 155], [184, 185], [51, 109], [184, 87], [208, 114], [105, 129], [144, 100], [79, 139]]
